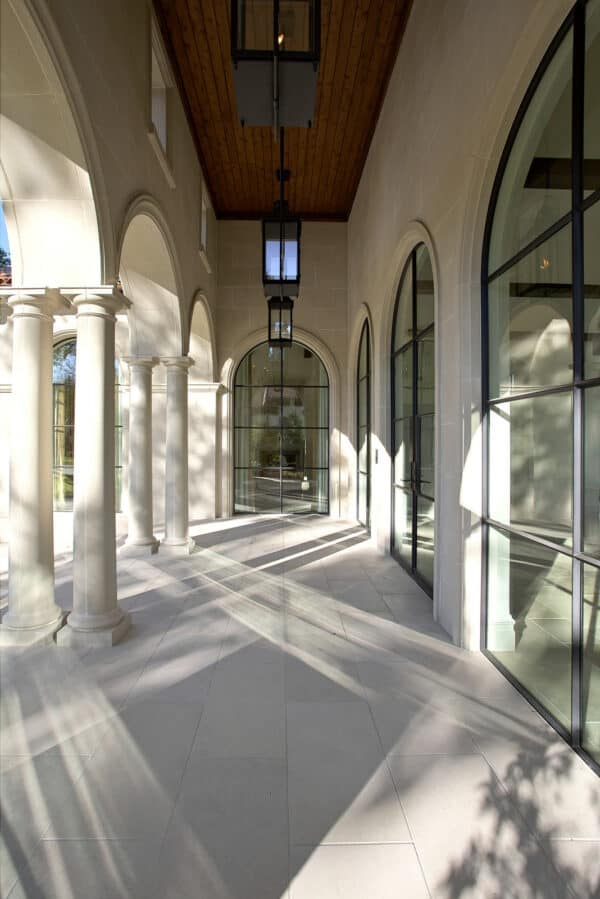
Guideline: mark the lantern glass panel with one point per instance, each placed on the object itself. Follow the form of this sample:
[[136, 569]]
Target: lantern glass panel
[[294, 31], [272, 239], [255, 25]]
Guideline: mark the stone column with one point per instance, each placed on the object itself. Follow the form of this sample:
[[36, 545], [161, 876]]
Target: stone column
[[33, 616], [176, 494], [140, 538], [96, 619]]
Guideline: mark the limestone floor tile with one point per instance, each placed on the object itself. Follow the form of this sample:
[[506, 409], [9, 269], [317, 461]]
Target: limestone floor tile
[[356, 872], [229, 837], [94, 869], [339, 787], [180, 670], [556, 792], [471, 839], [129, 786], [321, 678], [31, 790], [578, 862], [244, 714]]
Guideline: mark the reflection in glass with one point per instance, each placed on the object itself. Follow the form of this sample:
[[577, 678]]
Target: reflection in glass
[[403, 395], [426, 373], [404, 308], [363, 425], [424, 288], [531, 465], [426, 471], [403, 525], [530, 321], [591, 346], [591, 472], [529, 618], [591, 125], [591, 662], [402, 456], [281, 432], [536, 187], [425, 539]]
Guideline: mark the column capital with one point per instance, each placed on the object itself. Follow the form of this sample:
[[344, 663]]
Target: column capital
[[105, 301], [181, 362], [43, 301], [140, 361]]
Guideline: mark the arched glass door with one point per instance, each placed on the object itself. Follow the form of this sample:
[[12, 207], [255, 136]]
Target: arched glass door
[[413, 410], [363, 428], [281, 431]]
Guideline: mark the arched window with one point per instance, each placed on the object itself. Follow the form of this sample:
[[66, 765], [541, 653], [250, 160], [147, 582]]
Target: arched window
[[413, 419], [63, 387], [541, 317], [363, 428], [281, 433]]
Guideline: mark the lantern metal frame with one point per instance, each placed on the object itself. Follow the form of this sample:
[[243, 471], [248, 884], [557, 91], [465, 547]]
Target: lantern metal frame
[[278, 305]]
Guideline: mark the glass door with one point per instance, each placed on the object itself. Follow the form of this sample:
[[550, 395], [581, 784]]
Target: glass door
[[413, 410], [363, 428], [281, 431]]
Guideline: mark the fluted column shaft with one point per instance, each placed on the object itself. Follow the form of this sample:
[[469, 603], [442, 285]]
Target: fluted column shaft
[[176, 488], [96, 618], [33, 616], [140, 531]]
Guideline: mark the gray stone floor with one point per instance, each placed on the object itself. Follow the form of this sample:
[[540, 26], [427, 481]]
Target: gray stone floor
[[285, 720]]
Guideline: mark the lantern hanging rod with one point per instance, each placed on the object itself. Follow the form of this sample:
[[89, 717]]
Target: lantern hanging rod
[[281, 174]]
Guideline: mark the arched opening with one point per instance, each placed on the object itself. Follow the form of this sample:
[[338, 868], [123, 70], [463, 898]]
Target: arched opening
[[201, 343], [147, 273], [281, 431], [413, 419], [45, 186], [64, 355], [363, 427], [541, 367]]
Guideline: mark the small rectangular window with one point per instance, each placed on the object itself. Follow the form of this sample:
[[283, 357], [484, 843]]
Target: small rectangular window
[[160, 91], [159, 102]]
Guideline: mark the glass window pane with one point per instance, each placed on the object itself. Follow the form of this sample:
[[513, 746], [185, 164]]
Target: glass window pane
[[305, 406], [530, 321], [425, 311], [591, 661], [591, 472], [258, 406], [363, 450], [426, 373], [536, 187], [402, 536], [403, 381], [363, 401], [425, 539], [591, 349], [302, 368], [591, 134], [258, 448], [257, 490], [255, 25], [363, 352], [63, 490], [260, 366], [302, 449], [403, 454], [426, 427], [531, 465], [362, 499], [305, 491], [529, 618], [404, 309]]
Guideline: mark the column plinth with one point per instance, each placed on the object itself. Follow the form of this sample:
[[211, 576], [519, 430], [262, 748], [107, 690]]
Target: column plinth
[[33, 616], [96, 619], [140, 537], [177, 537]]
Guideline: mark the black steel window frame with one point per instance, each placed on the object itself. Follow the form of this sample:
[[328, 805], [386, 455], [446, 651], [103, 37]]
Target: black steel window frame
[[365, 340], [413, 345], [576, 20], [280, 386]]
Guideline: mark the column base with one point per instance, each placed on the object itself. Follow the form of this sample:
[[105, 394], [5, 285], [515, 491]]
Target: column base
[[31, 636], [182, 546], [79, 638], [135, 550]]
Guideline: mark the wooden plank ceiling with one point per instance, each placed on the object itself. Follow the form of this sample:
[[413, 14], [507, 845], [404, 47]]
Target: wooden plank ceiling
[[359, 44]]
